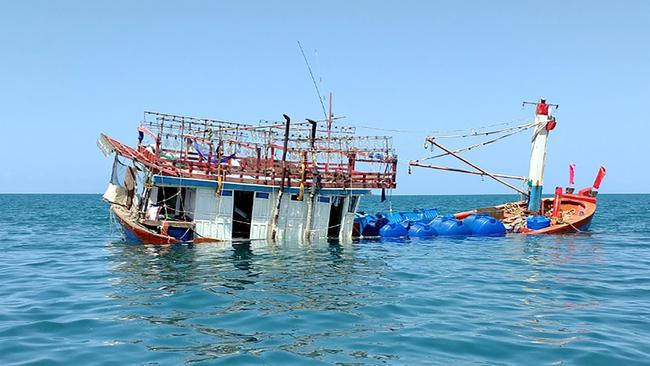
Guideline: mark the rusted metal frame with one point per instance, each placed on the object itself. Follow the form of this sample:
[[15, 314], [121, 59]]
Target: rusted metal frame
[[130, 153], [148, 132]]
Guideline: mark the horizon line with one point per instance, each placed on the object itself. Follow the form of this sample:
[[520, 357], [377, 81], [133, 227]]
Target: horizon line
[[414, 194]]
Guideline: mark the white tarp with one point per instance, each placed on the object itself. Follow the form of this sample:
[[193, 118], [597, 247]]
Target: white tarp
[[115, 194]]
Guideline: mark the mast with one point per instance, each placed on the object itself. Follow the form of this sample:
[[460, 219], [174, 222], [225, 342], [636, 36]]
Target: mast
[[544, 124]]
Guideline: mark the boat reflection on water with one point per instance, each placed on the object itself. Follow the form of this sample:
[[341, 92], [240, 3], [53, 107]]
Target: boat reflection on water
[[547, 282], [212, 300], [207, 263]]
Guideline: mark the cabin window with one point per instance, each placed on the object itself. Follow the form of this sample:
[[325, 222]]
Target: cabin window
[[167, 197], [226, 193], [353, 203], [324, 199], [294, 197], [262, 195], [176, 202]]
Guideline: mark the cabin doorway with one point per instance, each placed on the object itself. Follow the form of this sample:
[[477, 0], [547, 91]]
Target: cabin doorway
[[242, 212], [336, 214]]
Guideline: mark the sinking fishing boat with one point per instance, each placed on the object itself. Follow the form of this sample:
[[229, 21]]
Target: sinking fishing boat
[[199, 180], [566, 212]]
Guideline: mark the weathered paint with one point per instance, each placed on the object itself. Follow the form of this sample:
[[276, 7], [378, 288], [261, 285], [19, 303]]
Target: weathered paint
[[205, 214], [537, 158], [137, 233], [224, 215], [262, 214], [347, 221], [293, 214], [322, 205]]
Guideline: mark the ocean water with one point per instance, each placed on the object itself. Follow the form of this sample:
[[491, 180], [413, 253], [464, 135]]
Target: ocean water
[[73, 293]]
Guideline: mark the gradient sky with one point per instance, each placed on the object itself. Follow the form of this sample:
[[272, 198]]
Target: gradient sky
[[72, 69]]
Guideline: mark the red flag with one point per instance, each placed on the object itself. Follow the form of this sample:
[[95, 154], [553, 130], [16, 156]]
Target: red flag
[[599, 177], [572, 173]]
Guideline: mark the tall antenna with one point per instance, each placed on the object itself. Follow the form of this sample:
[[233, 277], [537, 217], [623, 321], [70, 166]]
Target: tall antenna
[[320, 99]]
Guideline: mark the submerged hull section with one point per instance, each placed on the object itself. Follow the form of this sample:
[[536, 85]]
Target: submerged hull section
[[576, 213], [193, 213], [194, 179], [137, 233]]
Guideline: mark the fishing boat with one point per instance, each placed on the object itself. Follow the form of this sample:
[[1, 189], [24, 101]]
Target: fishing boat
[[195, 180], [568, 211]]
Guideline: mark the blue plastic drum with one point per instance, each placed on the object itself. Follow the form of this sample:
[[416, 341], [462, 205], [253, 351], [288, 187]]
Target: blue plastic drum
[[421, 230], [471, 219], [393, 230], [487, 226], [449, 226], [538, 222]]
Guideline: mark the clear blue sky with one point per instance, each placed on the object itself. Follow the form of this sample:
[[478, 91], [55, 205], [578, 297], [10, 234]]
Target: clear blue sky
[[70, 70]]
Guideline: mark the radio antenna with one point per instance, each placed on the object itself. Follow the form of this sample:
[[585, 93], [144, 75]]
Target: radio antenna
[[320, 98]]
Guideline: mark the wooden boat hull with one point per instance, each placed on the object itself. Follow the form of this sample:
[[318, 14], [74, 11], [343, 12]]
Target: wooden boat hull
[[136, 233], [577, 211]]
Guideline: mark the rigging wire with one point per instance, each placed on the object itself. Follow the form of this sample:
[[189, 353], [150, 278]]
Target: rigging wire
[[483, 143], [468, 130], [518, 120], [474, 132], [320, 98]]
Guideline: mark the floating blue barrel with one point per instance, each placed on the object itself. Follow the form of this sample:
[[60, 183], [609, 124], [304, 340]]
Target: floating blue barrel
[[485, 225], [421, 230], [538, 222], [438, 219], [394, 217], [393, 230], [411, 216], [449, 226], [426, 215], [471, 219]]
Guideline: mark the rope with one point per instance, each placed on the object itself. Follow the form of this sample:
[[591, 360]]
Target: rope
[[516, 213], [483, 127], [566, 216], [484, 143], [438, 131], [474, 133]]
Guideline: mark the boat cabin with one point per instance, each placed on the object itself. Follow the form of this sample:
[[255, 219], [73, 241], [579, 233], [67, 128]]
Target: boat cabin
[[205, 180], [245, 211]]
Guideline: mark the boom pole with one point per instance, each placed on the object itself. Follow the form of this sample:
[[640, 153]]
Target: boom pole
[[482, 171]]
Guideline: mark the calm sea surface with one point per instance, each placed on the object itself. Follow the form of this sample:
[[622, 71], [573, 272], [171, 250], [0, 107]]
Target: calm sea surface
[[72, 293]]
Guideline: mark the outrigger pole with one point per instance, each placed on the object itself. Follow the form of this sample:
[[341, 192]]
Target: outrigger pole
[[456, 170], [481, 171]]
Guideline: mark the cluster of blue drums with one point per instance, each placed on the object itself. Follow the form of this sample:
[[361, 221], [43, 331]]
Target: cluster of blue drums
[[427, 223]]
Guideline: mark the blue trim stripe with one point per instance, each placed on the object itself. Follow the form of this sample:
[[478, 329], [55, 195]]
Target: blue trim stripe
[[162, 180]]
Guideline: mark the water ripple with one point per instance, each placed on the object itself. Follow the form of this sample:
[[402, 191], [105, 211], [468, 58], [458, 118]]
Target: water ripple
[[73, 293]]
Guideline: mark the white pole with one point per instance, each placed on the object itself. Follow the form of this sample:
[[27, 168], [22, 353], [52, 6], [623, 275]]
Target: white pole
[[537, 158]]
